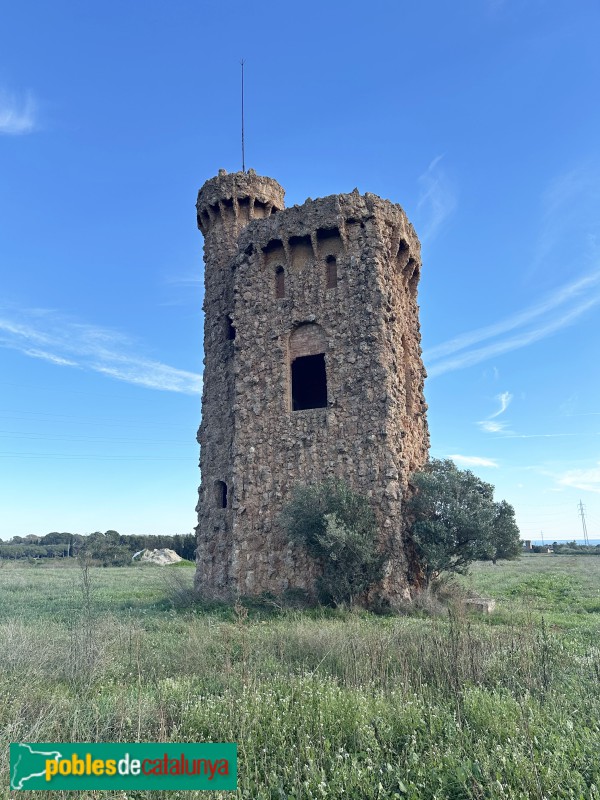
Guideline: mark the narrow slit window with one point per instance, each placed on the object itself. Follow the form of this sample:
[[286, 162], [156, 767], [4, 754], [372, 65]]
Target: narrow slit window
[[230, 330], [309, 382], [331, 268], [221, 494], [279, 282]]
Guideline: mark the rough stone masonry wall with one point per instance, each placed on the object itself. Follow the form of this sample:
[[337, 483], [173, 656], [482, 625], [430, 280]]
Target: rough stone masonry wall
[[225, 205], [337, 276], [373, 431]]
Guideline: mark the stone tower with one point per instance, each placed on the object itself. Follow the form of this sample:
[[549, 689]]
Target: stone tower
[[312, 370]]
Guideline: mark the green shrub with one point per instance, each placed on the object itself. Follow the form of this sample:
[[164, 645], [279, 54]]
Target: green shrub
[[337, 527]]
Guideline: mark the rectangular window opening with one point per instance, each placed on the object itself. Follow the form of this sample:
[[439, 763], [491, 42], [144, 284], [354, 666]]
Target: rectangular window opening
[[331, 265], [221, 494], [229, 329], [279, 282], [309, 382]]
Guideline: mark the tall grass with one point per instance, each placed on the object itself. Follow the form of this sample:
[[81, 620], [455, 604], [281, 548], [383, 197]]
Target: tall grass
[[321, 705]]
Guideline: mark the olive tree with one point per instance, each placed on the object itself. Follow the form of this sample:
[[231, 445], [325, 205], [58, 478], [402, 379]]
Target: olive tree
[[337, 528], [455, 521]]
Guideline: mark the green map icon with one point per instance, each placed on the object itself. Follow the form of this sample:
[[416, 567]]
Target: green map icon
[[27, 763]]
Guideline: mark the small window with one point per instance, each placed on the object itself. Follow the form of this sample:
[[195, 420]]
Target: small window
[[229, 329], [221, 494], [279, 282], [331, 265], [309, 382]]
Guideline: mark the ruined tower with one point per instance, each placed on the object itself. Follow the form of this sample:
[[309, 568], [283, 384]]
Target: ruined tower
[[312, 370]]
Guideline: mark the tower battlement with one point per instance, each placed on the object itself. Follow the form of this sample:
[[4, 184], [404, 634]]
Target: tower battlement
[[313, 370], [237, 198], [328, 226]]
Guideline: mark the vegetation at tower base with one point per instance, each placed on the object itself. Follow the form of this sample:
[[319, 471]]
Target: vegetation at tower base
[[338, 529], [455, 521]]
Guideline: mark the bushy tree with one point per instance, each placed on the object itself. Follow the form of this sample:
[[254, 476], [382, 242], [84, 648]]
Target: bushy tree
[[455, 521], [338, 529], [506, 537]]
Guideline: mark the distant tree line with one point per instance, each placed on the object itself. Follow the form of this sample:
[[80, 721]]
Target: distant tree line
[[110, 548], [573, 549]]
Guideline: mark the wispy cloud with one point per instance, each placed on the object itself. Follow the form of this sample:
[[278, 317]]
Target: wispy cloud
[[569, 225], [586, 479], [48, 335], [504, 400], [61, 362], [537, 322], [473, 461], [436, 201], [17, 114], [491, 374], [570, 291], [569, 235], [491, 424]]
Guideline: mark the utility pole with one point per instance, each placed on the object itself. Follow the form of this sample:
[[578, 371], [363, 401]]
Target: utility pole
[[542, 535], [581, 508]]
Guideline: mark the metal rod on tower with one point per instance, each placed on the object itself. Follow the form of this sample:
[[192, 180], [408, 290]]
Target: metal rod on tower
[[243, 155]]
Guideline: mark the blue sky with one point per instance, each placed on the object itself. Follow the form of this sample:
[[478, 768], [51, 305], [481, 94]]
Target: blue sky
[[480, 118]]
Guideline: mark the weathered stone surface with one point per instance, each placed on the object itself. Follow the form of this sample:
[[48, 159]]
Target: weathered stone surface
[[313, 369]]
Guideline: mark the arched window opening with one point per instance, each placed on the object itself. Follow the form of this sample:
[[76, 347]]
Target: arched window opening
[[244, 208], [403, 255], [308, 374], [309, 382], [260, 210], [279, 282], [229, 329], [329, 242], [221, 494], [331, 268]]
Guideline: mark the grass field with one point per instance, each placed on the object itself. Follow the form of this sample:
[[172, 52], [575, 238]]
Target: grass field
[[321, 704]]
